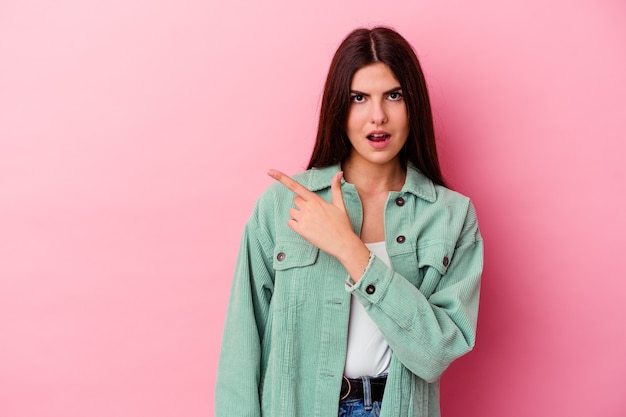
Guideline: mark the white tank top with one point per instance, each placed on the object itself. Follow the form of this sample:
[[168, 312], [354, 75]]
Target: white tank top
[[368, 352]]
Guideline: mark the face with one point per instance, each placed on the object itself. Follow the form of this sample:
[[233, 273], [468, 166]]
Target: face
[[378, 123]]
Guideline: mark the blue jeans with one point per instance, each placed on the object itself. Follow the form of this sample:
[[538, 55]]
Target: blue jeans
[[356, 408]]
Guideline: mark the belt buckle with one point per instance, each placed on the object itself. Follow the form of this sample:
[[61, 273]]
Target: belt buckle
[[343, 397]]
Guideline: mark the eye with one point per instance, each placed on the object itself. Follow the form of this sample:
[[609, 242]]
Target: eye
[[357, 98], [395, 96]]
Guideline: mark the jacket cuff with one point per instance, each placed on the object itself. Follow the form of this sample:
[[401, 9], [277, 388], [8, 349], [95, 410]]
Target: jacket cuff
[[373, 283]]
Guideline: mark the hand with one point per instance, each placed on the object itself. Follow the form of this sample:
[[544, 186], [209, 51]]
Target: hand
[[326, 225]]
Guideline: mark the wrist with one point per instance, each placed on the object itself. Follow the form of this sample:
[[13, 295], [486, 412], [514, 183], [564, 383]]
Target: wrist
[[355, 259]]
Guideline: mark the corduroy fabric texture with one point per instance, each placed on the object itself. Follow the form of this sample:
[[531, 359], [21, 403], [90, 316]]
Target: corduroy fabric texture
[[284, 342]]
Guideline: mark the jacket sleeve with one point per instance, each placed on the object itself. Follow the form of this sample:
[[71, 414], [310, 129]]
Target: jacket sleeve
[[239, 368], [429, 326]]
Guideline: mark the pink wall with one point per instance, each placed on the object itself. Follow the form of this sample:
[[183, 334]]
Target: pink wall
[[135, 136]]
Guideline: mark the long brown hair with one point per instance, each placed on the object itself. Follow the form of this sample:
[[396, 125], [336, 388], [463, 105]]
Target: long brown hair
[[364, 47]]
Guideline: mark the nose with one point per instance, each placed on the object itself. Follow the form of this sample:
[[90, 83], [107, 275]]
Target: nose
[[378, 115]]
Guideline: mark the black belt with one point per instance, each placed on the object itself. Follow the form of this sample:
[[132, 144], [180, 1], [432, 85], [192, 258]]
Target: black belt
[[352, 389]]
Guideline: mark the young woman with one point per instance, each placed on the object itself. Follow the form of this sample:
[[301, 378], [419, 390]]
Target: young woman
[[357, 281]]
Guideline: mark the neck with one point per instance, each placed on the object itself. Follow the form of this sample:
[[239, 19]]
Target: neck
[[375, 178]]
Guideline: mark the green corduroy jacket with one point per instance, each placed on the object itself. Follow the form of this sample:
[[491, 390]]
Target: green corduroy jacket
[[284, 342]]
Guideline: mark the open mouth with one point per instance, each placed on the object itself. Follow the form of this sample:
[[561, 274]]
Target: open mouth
[[379, 140], [378, 137]]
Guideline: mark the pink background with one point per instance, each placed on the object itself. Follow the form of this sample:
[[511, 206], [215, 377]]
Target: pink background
[[135, 136]]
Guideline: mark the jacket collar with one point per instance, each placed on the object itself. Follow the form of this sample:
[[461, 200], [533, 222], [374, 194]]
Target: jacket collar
[[416, 183]]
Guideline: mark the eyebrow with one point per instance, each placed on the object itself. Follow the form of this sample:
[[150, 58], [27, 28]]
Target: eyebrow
[[360, 93]]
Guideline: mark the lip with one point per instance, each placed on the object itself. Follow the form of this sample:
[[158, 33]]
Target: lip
[[378, 135], [379, 139]]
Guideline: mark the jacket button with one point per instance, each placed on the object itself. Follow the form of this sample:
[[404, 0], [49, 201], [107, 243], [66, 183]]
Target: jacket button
[[446, 261], [399, 201], [400, 239], [370, 289], [280, 257]]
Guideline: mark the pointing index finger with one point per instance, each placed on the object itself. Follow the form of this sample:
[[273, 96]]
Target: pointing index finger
[[290, 183]]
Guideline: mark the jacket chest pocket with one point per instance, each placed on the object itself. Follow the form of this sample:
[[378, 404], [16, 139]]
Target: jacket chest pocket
[[433, 260], [295, 269], [289, 255]]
